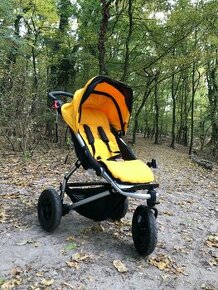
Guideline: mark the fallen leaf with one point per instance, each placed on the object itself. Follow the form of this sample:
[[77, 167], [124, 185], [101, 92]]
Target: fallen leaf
[[80, 257], [91, 278], [10, 196], [73, 264], [208, 287], [214, 254], [76, 259], [2, 215], [68, 285], [10, 284], [39, 274], [165, 277], [94, 229], [168, 213], [165, 263], [16, 271], [162, 262], [178, 270], [22, 243], [212, 241], [213, 262], [178, 249], [120, 266], [70, 239], [48, 282]]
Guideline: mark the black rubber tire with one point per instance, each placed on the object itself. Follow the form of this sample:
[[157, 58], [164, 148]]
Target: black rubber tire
[[144, 230], [49, 209], [121, 211]]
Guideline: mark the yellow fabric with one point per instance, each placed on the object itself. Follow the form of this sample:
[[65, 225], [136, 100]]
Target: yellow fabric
[[94, 118], [107, 105], [70, 111], [100, 110], [132, 171]]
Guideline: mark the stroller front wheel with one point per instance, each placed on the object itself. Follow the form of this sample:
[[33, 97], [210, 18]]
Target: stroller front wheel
[[144, 230], [49, 209]]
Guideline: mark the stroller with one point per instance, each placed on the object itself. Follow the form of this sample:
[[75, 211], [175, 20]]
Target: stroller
[[98, 116]]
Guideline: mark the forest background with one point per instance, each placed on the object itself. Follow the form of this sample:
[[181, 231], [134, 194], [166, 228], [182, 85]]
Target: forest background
[[167, 51]]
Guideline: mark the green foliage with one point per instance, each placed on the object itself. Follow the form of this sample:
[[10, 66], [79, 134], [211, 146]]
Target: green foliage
[[54, 45], [70, 246], [2, 280]]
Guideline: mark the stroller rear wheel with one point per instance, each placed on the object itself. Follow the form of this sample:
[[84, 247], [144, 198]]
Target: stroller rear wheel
[[49, 209], [144, 230]]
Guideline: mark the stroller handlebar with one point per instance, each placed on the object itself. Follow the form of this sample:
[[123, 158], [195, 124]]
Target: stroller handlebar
[[54, 95]]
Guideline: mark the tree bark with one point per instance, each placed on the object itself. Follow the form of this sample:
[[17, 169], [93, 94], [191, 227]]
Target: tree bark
[[59, 73], [212, 81], [148, 88], [182, 134], [127, 52], [173, 95], [102, 34], [8, 77], [192, 110], [157, 109], [174, 91]]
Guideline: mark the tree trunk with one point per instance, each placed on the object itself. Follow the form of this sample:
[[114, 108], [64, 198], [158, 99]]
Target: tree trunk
[[173, 95], [212, 82], [157, 109], [127, 52], [59, 73], [8, 77], [102, 33], [182, 134], [192, 109], [148, 89], [174, 91]]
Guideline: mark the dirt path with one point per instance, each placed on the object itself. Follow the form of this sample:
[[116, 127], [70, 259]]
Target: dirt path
[[80, 253]]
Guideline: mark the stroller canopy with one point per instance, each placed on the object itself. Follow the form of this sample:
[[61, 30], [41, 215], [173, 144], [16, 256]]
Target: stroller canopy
[[105, 94]]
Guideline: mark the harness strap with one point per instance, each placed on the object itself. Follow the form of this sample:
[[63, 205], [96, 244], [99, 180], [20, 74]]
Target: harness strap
[[105, 139], [90, 137]]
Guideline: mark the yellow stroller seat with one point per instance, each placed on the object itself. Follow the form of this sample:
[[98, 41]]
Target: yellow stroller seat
[[98, 117], [96, 132]]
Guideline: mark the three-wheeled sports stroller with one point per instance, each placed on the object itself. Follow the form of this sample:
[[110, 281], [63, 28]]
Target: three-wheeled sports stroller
[[98, 116]]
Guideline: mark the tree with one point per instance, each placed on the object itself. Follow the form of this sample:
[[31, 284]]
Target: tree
[[212, 82], [105, 6], [60, 44]]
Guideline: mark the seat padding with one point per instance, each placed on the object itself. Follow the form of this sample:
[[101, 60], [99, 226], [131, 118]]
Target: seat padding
[[126, 171], [129, 171], [95, 118]]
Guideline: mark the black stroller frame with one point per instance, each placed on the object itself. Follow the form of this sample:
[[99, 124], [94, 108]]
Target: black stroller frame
[[111, 187], [101, 200]]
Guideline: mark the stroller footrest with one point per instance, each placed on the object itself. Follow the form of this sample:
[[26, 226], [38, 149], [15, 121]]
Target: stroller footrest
[[135, 187]]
